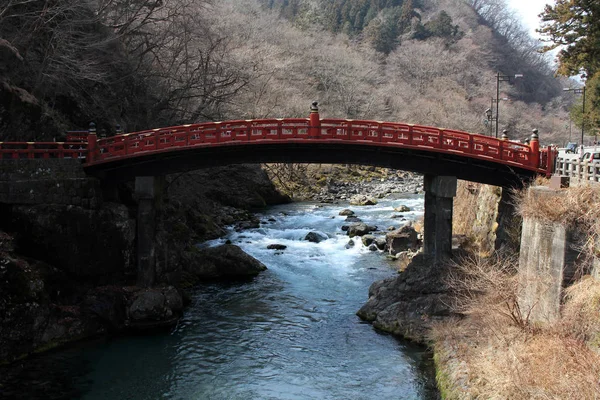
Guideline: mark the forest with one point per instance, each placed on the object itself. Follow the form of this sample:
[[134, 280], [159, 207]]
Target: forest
[[145, 64]]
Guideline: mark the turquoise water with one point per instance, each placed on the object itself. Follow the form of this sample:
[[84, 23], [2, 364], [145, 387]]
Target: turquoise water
[[290, 333]]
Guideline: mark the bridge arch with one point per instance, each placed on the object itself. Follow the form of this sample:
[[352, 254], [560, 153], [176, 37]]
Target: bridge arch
[[442, 155]]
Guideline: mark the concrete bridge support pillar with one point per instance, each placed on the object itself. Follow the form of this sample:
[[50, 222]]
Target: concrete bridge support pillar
[[547, 263], [439, 198], [147, 193]]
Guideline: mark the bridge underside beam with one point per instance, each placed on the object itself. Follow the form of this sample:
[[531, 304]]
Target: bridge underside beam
[[421, 161], [439, 198]]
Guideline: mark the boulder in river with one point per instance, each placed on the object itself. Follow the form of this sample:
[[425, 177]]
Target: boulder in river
[[362, 200], [227, 261], [381, 242], [352, 218], [346, 212], [402, 239], [411, 302], [276, 246], [360, 229], [367, 240], [402, 208], [315, 237], [155, 304], [350, 244]]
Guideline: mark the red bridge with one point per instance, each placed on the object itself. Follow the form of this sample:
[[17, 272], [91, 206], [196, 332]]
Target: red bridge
[[417, 148]]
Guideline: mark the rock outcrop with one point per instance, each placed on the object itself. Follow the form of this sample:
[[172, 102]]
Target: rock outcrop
[[227, 261], [42, 307], [408, 304], [403, 239]]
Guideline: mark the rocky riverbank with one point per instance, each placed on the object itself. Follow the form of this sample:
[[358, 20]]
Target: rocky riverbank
[[375, 187], [67, 272], [70, 269]]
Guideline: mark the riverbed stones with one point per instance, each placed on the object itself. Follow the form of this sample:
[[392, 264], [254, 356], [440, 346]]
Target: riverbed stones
[[346, 212], [350, 244], [402, 208], [394, 182]]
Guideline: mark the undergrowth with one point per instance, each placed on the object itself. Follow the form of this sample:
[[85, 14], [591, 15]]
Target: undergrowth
[[495, 351]]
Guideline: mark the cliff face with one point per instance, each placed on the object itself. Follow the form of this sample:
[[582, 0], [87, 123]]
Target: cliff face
[[68, 264], [485, 215]]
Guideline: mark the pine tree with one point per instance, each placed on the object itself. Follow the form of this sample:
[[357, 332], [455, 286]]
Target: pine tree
[[575, 24]]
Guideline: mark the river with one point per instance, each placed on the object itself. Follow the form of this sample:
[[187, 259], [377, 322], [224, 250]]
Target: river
[[290, 333]]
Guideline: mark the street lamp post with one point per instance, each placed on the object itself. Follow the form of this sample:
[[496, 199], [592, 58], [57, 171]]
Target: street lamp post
[[579, 91], [501, 78]]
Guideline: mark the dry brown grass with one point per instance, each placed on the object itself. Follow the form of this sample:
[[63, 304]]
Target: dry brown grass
[[576, 208], [494, 353], [575, 205], [487, 288], [581, 313]]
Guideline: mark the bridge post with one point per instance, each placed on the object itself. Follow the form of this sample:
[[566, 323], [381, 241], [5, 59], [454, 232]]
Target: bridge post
[[534, 144], [91, 143], [147, 192], [314, 122], [439, 200]]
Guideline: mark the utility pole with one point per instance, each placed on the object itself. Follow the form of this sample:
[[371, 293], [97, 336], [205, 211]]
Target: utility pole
[[501, 78], [580, 91]]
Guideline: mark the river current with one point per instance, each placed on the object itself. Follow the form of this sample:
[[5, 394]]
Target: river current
[[290, 333]]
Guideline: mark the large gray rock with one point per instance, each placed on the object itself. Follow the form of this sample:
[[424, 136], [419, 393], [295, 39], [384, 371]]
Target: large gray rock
[[367, 240], [148, 305], [276, 246], [362, 200], [405, 238], [347, 212], [227, 261], [360, 229], [409, 304], [315, 237]]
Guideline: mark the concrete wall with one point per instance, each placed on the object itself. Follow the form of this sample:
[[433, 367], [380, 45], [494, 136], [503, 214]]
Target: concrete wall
[[547, 264], [54, 181], [541, 268]]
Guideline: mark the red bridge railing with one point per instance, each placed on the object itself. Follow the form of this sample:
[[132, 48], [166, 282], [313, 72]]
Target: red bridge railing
[[313, 129]]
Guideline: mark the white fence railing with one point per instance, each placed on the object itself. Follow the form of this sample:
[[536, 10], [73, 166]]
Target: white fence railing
[[586, 171]]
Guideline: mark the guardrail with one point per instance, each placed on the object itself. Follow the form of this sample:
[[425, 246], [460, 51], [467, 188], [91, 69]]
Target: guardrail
[[329, 130], [297, 130], [587, 171], [43, 150]]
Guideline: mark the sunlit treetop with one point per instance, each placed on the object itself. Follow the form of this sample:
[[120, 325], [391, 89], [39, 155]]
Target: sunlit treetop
[[574, 24]]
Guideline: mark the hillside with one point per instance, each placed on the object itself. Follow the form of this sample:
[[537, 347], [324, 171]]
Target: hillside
[[182, 62]]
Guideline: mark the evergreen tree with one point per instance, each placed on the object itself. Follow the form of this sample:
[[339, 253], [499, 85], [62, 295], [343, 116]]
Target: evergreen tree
[[575, 24]]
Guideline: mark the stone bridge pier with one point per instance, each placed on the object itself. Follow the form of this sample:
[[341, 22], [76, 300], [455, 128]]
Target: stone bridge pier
[[148, 190], [439, 200]]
